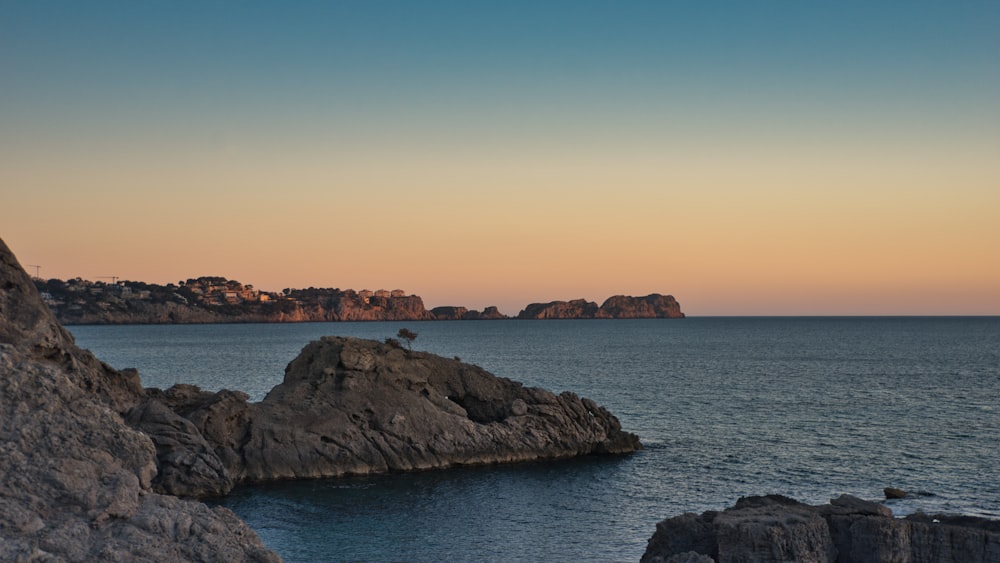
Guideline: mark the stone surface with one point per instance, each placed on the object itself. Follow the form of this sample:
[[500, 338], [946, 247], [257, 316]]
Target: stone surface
[[776, 528], [76, 482], [653, 306], [892, 492]]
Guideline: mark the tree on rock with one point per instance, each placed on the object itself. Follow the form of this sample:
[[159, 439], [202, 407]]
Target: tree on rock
[[408, 335]]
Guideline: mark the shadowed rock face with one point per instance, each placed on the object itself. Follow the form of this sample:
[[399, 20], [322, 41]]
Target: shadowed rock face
[[75, 480], [351, 406], [776, 528]]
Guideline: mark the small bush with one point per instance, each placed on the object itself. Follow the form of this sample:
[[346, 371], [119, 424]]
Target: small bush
[[408, 335]]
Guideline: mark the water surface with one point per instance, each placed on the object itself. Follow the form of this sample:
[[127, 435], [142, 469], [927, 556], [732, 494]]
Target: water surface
[[727, 407]]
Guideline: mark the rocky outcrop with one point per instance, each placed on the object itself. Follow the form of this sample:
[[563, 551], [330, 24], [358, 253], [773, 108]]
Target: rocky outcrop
[[575, 309], [776, 528], [350, 406], [451, 313], [491, 313], [75, 480], [653, 306]]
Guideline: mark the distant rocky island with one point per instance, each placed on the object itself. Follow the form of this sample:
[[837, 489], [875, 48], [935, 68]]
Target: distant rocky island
[[654, 306], [215, 299]]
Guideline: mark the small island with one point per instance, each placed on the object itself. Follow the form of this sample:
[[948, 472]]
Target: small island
[[215, 299]]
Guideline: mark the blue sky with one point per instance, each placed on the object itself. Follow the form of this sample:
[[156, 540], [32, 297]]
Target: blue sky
[[705, 131]]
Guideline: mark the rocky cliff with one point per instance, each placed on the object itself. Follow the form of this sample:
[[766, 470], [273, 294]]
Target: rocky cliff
[[653, 306], [848, 529], [75, 480]]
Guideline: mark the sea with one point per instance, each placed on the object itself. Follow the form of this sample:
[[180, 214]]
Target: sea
[[810, 408]]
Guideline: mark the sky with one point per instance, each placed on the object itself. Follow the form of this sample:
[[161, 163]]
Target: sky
[[749, 158]]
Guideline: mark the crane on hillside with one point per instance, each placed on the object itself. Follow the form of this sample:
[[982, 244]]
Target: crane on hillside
[[114, 279], [37, 270]]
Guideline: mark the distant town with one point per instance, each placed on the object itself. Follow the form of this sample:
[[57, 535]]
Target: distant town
[[215, 299]]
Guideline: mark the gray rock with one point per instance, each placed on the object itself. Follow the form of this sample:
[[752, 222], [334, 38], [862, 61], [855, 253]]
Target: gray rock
[[76, 482], [187, 465], [351, 406], [776, 528], [892, 492]]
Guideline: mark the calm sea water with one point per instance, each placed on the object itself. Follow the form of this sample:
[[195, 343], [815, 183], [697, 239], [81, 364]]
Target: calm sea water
[[727, 407]]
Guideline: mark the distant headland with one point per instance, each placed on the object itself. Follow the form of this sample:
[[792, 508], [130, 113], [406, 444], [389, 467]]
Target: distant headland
[[215, 299]]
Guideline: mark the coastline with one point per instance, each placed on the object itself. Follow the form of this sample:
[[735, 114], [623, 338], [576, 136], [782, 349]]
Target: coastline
[[214, 300]]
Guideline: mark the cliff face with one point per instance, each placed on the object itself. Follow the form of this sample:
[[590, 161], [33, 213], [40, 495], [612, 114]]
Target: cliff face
[[776, 529], [75, 480], [653, 306]]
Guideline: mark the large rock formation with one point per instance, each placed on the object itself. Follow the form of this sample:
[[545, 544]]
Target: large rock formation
[[653, 306], [351, 406], [75, 480], [776, 528]]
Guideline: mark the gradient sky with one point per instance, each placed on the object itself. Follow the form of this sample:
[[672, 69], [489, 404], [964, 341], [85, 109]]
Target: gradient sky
[[750, 158]]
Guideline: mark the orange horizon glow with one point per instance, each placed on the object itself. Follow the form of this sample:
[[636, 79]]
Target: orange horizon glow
[[488, 159]]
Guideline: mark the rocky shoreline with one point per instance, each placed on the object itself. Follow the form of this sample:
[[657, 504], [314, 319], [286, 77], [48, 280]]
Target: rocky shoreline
[[775, 528], [95, 467]]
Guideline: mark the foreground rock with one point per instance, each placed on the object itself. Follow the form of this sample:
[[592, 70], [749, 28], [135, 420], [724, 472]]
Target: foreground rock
[[75, 480], [351, 406], [653, 306], [776, 528]]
